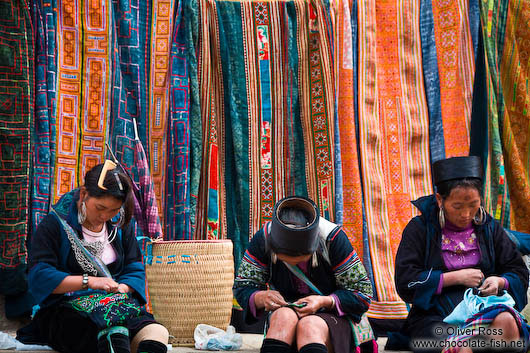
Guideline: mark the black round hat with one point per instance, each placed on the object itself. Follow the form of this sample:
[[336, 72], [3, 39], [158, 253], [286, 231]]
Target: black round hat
[[457, 168], [294, 238]]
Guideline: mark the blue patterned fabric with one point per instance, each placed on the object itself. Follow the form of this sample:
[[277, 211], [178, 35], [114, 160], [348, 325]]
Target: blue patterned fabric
[[178, 210], [43, 135], [432, 81]]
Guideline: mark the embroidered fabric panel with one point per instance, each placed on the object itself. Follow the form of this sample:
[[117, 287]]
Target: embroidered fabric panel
[[16, 116]]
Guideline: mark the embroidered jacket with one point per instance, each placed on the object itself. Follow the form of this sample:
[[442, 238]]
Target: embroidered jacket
[[51, 257], [339, 271]]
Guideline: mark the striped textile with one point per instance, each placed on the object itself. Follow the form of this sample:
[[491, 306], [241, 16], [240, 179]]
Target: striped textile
[[393, 125], [17, 74]]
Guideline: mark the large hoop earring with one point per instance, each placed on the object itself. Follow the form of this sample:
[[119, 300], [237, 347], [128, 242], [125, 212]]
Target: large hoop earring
[[120, 220], [81, 213], [441, 217], [480, 217], [314, 260]]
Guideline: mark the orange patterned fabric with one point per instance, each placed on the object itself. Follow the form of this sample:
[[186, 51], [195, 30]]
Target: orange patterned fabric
[[351, 180], [162, 29], [456, 69], [84, 72], [393, 136]]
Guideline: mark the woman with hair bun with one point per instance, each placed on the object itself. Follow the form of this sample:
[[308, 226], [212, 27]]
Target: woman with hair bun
[[86, 273]]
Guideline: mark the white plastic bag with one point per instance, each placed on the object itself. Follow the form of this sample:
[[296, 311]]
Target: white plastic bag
[[9, 342], [214, 339]]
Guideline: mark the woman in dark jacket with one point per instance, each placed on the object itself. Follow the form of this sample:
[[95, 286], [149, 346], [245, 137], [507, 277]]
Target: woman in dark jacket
[[454, 245], [86, 273], [298, 240]]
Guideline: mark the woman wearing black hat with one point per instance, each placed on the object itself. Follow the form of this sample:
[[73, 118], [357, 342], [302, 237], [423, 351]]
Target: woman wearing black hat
[[298, 255], [454, 245]]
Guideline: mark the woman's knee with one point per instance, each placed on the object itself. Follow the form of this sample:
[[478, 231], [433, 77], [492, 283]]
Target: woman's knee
[[282, 325], [507, 323], [312, 329], [151, 332], [285, 317]]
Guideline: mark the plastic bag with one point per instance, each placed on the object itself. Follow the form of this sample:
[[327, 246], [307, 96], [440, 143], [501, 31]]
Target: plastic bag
[[8, 342], [214, 339], [472, 304]]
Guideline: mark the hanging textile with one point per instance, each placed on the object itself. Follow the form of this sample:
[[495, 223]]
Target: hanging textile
[[352, 220], [160, 47], [43, 135], [83, 90], [454, 51], [16, 111], [496, 196], [183, 153], [268, 110], [448, 68], [515, 123], [393, 124]]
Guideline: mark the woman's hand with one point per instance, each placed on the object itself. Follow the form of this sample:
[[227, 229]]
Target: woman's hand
[[491, 286], [314, 303], [123, 288], [103, 283], [269, 300], [469, 277]]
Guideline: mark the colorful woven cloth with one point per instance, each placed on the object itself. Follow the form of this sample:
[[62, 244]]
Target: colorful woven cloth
[[268, 109], [393, 136], [513, 44], [352, 221], [16, 116]]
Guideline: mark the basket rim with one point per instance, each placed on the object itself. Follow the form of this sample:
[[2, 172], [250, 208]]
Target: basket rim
[[191, 241]]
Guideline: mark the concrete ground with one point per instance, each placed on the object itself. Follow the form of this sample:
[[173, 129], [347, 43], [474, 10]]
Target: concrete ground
[[251, 344]]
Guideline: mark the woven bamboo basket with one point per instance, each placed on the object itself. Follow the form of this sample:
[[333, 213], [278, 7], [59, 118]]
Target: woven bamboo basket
[[190, 283]]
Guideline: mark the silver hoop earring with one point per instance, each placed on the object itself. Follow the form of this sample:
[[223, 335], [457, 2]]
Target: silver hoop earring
[[314, 260], [81, 213], [441, 217], [480, 217], [121, 219]]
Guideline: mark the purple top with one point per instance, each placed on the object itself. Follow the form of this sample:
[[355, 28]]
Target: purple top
[[459, 247], [301, 287], [460, 250]]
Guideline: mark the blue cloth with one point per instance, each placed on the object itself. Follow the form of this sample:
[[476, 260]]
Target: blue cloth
[[473, 303]]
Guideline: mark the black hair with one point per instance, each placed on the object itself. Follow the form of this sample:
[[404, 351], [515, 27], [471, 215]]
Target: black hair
[[295, 216], [444, 188], [113, 188]]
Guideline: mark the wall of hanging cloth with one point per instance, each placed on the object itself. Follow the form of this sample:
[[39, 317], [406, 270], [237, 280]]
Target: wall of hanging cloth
[[239, 103]]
